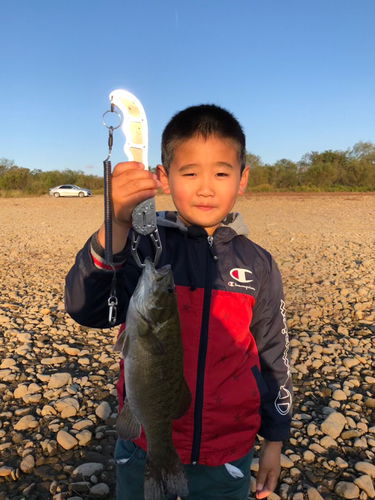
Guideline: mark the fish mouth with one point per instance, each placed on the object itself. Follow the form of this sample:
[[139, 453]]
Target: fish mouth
[[162, 272], [158, 274]]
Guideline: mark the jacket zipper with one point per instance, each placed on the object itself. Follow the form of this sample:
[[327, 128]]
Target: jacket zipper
[[197, 434]]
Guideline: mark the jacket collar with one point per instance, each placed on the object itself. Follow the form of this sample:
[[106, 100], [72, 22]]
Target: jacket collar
[[230, 227]]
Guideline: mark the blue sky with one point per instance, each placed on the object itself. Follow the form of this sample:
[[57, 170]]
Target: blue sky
[[298, 74]]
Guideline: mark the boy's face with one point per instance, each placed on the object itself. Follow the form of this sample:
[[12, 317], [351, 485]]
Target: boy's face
[[204, 180]]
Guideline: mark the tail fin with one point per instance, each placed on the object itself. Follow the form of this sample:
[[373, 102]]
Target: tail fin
[[165, 478]]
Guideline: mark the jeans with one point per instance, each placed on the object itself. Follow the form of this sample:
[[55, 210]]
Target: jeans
[[230, 481]]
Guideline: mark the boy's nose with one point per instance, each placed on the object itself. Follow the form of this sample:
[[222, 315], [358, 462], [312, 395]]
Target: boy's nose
[[205, 188]]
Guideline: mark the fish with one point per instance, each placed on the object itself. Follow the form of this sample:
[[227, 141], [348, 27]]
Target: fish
[[155, 386]]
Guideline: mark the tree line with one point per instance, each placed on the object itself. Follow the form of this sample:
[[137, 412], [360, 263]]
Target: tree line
[[350, 170], [21, 180]]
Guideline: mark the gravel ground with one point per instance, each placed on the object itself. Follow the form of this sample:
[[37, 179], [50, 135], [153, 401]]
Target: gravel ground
[[58, 406]]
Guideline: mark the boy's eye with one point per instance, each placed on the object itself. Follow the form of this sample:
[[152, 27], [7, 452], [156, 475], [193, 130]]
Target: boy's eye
[[191, 174], [222, 174]]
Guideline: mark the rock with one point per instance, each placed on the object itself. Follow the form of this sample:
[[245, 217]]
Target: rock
[[308, 456], [66, 440], [333, 425], [103, 411], [48, 410], [312, 430], [83, 424], [360, 443], [23, 337], [27, 422], [350, 362], [68, 407], [286, 462], [346, 490], [351, 434], [81, 487], [313, 494], [58, 380], [84, 437], [255, 465], [366, 468], [284, 491], [27, 465], [365, 483], [33, 388], [370, 403], [341, 463], [5, 471], [328, 442], [85, 471], [339, 395], [8, 363], [20, 392], [99, 491]]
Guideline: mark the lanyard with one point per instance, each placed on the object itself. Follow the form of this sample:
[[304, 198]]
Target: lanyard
[[134, 126]]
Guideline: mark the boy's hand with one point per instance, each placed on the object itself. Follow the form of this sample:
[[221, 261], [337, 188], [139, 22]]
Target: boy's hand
[[131, 184], [269, 468]]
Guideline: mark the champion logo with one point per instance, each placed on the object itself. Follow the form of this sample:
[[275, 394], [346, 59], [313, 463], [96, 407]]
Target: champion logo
[[283, 402], [241, 275]]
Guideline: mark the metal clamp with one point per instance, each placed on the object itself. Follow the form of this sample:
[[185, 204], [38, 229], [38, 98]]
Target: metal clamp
[[112, 304], [154, 237]]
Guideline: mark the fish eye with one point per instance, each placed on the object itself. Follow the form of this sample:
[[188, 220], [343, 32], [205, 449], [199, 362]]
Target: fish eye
[[170, 289]]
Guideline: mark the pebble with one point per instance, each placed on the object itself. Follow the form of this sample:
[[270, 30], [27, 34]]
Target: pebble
[[346, 490], [365, 483], [313, 494], [103, 411], [99, 491], [26, 422], [87, 470], [5, 471], [84, 437], [58, 380], [366, 468], [27, 465], [66, 440], [308, 456], [333, 425]]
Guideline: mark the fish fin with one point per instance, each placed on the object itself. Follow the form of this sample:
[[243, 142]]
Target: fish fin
[[170, 479], [122, 343], [127, 425], [151, 343], [185, 400]]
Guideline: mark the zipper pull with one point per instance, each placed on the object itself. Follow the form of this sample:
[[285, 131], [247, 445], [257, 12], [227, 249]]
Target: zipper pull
[[210, 240]]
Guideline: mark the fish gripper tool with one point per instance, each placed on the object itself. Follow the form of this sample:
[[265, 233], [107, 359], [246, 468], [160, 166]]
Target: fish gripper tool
[[134, 127]]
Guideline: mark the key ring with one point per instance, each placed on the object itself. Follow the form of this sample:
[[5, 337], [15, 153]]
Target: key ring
[[112, 111]]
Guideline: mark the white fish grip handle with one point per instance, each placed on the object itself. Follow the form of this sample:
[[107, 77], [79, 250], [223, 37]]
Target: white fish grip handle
[[134, 127]]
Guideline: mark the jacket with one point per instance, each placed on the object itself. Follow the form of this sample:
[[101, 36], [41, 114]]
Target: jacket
[[233, 327]]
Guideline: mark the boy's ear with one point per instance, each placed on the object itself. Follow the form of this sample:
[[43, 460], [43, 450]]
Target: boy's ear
[[243, 181], [163, 178]]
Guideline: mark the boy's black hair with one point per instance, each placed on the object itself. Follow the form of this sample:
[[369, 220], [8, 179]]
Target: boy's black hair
[[204, 120]]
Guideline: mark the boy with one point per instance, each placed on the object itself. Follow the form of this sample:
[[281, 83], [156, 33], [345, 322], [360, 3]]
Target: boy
[[231, 306]]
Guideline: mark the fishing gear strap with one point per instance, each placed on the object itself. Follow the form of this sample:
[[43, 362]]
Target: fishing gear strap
[[108, 252]]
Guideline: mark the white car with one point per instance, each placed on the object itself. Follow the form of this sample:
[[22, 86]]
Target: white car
[[69, 190]]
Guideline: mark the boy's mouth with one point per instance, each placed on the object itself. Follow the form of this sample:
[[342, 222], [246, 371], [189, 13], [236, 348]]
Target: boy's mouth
[[204, 208]]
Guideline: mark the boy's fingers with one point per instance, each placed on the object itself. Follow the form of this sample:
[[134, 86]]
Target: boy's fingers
[[133, 187], [268, 488], [127, 165], [125, 215]]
